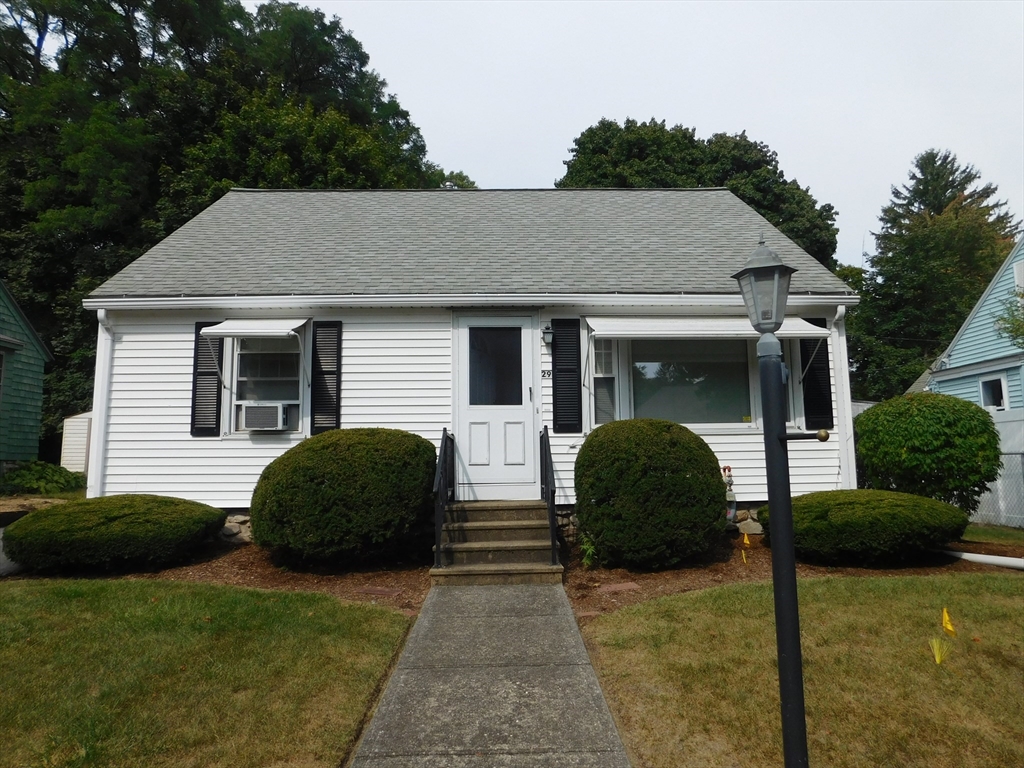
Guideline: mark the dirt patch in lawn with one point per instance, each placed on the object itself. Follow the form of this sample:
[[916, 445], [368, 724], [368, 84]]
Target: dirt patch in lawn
[[13, 507]]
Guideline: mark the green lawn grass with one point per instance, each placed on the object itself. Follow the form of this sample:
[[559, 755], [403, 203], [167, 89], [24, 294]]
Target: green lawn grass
[[133, 673], [993, 534], [692, 678]]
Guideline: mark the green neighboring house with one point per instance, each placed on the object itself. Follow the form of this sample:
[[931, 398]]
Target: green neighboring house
[[22, 359]]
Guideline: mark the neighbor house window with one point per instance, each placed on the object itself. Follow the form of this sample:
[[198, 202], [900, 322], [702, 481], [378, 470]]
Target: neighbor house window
[[267, 383], [699, 381], [993, 393], [604, 381]]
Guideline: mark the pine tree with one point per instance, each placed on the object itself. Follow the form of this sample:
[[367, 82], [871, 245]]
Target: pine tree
[[943, 236]]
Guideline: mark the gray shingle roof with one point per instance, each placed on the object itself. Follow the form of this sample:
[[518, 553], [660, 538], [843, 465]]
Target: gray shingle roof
[[380, 242]]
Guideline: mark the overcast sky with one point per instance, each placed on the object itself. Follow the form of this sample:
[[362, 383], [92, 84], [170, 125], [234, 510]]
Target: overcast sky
[[847, 94]]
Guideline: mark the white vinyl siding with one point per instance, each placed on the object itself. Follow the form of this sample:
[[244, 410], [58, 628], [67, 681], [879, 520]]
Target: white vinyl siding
[[396, 372]]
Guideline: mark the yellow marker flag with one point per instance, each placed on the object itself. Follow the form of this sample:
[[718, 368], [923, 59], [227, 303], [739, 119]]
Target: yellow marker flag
[[940, 649], [947, 624], [744, 553], [746, 540]]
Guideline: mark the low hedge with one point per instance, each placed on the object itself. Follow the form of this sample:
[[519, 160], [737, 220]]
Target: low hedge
[[866, 527], [110, 533], [347, 495], [649, 493], [40, 477]]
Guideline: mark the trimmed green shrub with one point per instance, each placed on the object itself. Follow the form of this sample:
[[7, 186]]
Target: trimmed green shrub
[[346, 494], [929, 445], [110, 533], [40, 477], [866, 527], [649, 493]]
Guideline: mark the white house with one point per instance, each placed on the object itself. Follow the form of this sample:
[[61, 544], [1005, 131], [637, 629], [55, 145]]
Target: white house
[[274, 315]]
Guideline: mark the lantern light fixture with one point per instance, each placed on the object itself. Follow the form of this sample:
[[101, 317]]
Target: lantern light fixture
[[764, 284]]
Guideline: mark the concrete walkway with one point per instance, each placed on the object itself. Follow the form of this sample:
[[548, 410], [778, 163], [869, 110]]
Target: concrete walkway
[[493, 676]]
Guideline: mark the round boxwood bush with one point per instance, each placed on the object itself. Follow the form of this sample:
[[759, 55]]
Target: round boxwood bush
[[866, 527], [649, 493], [930, 445], [346, 494], [110, 533]]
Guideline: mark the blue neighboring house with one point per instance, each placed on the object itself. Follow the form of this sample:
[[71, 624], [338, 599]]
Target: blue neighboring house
[[986, 368]]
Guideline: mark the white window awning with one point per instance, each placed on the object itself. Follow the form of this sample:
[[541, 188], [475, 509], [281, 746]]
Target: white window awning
[[273, 328], [696, 328]]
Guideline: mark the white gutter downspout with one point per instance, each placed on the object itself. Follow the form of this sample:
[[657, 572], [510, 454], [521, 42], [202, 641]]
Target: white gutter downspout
[[100, 406], [844, 411]]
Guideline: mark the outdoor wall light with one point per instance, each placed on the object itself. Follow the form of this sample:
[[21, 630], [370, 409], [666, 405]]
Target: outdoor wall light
[[548, 334], [764, 284]]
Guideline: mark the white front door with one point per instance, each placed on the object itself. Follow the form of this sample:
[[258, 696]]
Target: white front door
[[495, 438]]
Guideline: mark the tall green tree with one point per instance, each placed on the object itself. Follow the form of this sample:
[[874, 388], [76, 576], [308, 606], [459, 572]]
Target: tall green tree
[[653, 155], [120, 120], [943, 236]]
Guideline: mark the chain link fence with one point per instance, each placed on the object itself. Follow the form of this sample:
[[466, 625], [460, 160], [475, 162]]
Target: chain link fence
[[1004, 503]]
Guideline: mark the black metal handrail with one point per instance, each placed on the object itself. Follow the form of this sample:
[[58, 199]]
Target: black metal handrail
[[444, 488], [547, 490]]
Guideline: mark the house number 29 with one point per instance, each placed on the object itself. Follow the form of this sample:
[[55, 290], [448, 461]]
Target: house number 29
[[545, 374]]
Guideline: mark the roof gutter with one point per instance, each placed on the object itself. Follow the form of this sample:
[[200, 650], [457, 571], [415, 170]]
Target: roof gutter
[[674, 300]]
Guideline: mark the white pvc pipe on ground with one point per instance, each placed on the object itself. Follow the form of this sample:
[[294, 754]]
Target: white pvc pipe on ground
[[1005, 562]]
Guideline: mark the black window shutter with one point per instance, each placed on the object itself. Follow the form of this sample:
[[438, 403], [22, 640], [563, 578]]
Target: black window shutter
[[206, 389], [817, 385], [326, 394], [567, 379]]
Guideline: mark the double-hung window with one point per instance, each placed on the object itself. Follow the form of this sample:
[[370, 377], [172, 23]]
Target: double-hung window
[[268, 383], [604, 381]]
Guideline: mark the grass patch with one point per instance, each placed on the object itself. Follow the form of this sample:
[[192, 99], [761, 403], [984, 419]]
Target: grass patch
[[993, 534], [692, 678], [126, 673]]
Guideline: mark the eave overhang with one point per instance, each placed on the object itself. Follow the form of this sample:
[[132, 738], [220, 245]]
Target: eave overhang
[[684, 302]]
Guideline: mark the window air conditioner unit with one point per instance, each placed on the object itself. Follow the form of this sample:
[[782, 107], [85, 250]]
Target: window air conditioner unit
[[263, 416]]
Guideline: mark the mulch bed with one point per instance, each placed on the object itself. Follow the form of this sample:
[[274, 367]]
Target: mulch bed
[[591, 592], [403, 587]]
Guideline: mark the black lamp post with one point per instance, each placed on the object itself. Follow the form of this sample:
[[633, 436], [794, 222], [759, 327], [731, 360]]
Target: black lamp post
[[764, 283]]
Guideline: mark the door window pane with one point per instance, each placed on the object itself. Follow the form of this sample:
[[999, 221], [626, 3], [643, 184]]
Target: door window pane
[[495, 366], [691, 382]]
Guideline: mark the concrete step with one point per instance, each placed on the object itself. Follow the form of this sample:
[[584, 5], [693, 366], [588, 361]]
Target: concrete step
[[487, 511], [498, 530], [489, 574], [496, 552]]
